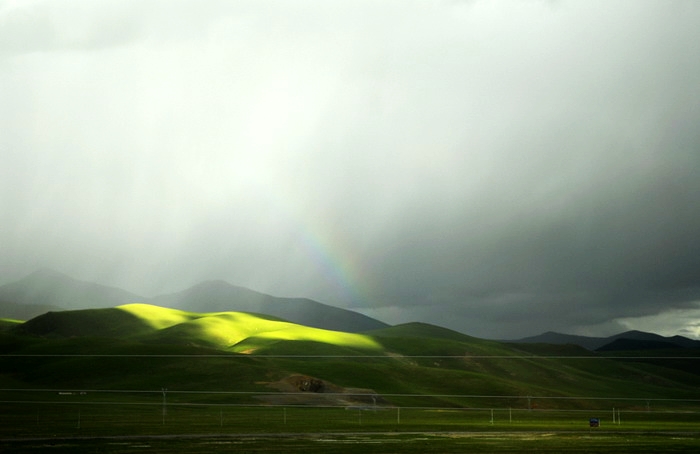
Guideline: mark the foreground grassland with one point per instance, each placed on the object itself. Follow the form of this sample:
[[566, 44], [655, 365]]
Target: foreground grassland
[[153, 428], [374, 443], [62, 420], [147, 379]]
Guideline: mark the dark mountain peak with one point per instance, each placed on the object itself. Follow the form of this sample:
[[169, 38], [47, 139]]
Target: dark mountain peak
[[636, 334], [221, 296], [629, 344], [647, 341], [552, 337], [629, 340], [684, 341], [214, 295]]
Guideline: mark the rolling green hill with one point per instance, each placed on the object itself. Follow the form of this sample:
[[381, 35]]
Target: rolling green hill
[[150, 324], [8, 323], [142, 347]]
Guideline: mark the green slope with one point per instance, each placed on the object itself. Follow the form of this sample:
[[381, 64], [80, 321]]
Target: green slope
[[235, 331], [9, 323], [111, 322], [424, 330], [243, 351]]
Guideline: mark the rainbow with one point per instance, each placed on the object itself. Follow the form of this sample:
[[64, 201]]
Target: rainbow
[[327, 250], [338, 264]]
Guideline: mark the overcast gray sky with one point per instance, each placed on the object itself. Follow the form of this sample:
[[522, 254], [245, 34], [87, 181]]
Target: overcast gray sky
[[501, 168]]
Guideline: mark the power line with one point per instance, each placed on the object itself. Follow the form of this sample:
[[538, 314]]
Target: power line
[[307, 406], [273, 393], [396, 357]]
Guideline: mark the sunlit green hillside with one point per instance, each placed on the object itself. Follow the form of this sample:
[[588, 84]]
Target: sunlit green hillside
[[232, 331], [235, 331]]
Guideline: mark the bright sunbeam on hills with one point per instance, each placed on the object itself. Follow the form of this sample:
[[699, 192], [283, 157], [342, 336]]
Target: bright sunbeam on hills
[[226, 330]]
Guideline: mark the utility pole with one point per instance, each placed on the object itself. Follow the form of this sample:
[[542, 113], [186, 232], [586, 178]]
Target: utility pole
[[165, 403]]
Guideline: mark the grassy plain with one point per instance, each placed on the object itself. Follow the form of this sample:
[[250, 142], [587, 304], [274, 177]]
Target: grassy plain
[[135, 428], [373, 443], [160, 380]]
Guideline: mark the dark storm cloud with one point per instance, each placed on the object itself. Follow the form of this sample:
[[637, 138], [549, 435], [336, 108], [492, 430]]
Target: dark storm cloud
[[497, 168], [623, 247]]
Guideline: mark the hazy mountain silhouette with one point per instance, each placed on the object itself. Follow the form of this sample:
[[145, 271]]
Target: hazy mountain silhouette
[[51, 290], [552, 337], [629, 340], [219, 295], [47, 290], [19, 311]]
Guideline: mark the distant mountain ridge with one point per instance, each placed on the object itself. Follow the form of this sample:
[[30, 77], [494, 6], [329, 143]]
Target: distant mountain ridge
[[19, 311], [48, 290], [629, 340], [219, 295]]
